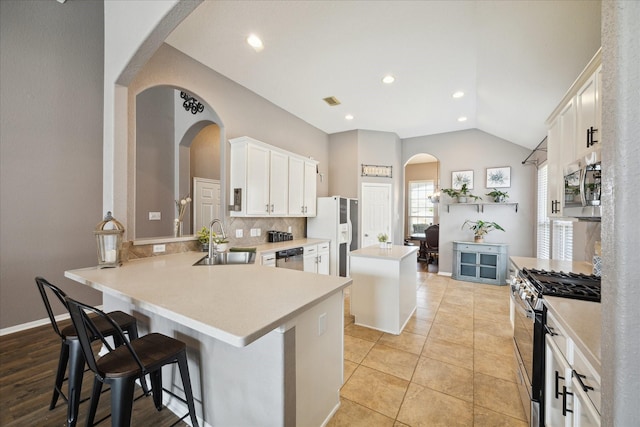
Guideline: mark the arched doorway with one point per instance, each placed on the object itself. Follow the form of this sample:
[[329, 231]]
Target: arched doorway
[[421, 187]]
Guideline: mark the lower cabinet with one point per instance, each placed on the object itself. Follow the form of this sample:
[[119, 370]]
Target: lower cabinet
[[480, 262], [316, 258], [572, 390]]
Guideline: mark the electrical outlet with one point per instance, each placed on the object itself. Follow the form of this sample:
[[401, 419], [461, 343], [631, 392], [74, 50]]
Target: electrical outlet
[[322, 324], [289, 229], [155, 216], [252, 232], [238, 233], [158, 249]]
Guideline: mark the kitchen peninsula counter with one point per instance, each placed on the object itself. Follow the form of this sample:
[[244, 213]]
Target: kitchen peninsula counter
[[254, 333]]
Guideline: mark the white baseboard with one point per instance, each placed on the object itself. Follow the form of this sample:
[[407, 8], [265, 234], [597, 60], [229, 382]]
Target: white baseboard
[[444, 273], [34, 324]]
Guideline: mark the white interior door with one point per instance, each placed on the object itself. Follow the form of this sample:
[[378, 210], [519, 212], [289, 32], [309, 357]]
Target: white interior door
[[206, 202], [376, 212]]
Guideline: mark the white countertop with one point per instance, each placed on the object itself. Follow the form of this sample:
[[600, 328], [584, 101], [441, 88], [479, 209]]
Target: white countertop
[[396, 252], [582, 321], [236, 304], [583, 267]]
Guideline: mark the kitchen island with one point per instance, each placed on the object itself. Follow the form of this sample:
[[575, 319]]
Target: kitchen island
[[383, 295], [265, 345]]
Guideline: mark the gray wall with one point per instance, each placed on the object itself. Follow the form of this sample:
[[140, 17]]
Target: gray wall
[[51, 68], [343, 170], [155, 160], [476, 150]]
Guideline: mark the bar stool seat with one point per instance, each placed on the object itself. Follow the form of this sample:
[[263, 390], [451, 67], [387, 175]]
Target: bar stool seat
[[71, 352], [121, 366]]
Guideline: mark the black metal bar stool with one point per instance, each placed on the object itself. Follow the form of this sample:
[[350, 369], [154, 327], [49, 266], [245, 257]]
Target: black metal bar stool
[[121, 366], [71, 352]]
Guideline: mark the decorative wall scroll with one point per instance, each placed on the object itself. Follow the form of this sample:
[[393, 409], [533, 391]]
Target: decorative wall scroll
[[376, 170]]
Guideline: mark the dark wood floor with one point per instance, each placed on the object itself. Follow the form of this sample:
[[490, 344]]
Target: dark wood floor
[[28, 362]]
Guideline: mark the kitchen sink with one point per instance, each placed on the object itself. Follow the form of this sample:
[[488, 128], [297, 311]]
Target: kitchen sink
[[225, 258]]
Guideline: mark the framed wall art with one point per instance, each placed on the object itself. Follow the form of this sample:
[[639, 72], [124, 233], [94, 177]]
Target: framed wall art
[[462, 177], [499, 177]]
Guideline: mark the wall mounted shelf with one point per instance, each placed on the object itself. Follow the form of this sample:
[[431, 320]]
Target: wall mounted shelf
[[480, 206]]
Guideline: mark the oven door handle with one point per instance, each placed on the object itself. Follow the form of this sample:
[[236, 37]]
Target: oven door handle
[[520, 306]]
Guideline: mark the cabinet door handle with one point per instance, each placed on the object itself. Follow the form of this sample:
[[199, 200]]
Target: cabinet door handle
[[301, 209], [592, 132], [588, 138], [564, 400], [267, 208], [579, 377], [558, 378], [272, 208]]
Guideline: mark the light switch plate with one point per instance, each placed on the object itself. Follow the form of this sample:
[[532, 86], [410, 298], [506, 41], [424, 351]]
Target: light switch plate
[[155, 216], [158, 249], [238, 233]]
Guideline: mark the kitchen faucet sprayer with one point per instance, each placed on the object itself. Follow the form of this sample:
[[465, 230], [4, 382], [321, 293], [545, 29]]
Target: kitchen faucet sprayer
[[212, 251]]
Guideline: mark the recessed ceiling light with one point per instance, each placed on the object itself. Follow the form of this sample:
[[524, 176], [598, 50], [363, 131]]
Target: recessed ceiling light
[[255, 42], [458, 94], [388, 79], [349, 117], [462, 119]]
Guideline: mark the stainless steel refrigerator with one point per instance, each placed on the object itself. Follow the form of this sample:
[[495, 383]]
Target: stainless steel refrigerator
[[337, 220]]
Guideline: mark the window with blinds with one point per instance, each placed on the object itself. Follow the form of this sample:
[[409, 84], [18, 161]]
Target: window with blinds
[[562, 240], [420, 207], [543, 229]]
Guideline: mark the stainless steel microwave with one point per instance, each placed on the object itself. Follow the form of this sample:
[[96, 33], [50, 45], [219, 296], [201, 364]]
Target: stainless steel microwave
[[583, 188]]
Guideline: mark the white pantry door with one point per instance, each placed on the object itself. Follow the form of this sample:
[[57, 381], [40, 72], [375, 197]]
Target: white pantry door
[[206, 202], [376, 212]]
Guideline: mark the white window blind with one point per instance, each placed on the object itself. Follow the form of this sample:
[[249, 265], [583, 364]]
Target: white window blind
[[420, 207], [543, 227], [562, 240]]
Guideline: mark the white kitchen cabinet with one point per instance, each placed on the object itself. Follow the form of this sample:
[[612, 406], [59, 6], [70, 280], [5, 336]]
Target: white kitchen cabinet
[[302, 187], [261, 174], [316, 258], [323, 258], [269, 259], [572, 385], [558, 400], [310, 259], [588, 103], [555, 179]]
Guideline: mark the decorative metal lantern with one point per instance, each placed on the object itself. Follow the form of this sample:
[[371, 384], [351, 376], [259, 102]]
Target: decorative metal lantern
[[109, 239]]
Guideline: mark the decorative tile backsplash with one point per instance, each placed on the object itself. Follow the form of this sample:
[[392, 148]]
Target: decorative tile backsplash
[[298, 228]]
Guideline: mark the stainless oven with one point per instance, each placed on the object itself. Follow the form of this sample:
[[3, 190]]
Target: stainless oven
[[528, 338]]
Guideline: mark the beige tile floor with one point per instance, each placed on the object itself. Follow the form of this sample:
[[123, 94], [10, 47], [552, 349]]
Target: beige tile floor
[[451, 366]]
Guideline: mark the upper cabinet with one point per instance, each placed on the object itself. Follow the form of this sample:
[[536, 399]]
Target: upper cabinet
[[588, 102], [302, 187], [271, 181], [574, 131]]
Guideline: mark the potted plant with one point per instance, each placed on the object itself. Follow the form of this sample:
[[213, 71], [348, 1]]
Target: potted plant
[[203, 238], [382, 238], [498, 196], [220, 242], [460, 195], [480, 228]]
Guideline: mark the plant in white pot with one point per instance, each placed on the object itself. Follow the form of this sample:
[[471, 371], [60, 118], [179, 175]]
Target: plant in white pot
[[460, 195], [480, 228], [382, 239]]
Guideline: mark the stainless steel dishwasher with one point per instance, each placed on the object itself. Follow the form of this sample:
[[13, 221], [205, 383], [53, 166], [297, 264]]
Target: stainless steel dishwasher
[[292, 259]]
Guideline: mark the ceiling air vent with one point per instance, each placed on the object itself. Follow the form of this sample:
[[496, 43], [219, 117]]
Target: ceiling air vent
[[332, 101]]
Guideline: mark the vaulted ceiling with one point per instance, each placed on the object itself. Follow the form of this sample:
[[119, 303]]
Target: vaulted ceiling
[[514, 60]]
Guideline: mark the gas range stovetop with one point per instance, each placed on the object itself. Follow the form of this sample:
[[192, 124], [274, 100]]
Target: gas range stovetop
[[561, 284]]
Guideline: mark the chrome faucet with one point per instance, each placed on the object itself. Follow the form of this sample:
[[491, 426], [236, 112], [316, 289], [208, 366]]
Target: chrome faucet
[[212, 251]]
